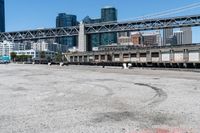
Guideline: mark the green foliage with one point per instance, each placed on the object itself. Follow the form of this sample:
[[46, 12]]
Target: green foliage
[[22, 58]]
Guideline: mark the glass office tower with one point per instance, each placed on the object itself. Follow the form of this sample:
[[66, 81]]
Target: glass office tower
[[94, 39], [2, 16], [108, 14], [65, 20]]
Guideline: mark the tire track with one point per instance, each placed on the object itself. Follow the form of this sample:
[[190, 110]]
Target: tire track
[[159, 97]]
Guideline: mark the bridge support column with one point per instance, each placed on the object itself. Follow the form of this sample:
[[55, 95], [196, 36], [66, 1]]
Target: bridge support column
[[82, 46]]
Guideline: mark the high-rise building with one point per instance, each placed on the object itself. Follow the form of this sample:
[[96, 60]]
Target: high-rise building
[[184, 36], [94, 40], [65, 20], [108, 14], [42, 45], [171, 40], [187, 35], [167, 33], [120, 34], [88, 20], [125, 40], [136, 38], [2, 16], [151, 38], [108, 38], [5, 49], [179, 37]]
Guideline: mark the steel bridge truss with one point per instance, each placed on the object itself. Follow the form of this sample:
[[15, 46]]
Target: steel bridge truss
[[150, 24], [39, 34]]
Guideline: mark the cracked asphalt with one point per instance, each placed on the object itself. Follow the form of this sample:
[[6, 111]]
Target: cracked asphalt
[[85, 99]]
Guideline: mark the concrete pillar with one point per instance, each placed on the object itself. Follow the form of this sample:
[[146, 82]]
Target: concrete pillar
[[113, 57], [99, 58], [160, 56], [172, 55], [186, 55], [78, 58], [148, 56], [129, 57], [138, 56], [82, 46], [121, 58], [106, 57]]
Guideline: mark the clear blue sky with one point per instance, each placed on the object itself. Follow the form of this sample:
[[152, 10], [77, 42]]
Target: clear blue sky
[[31, 14]]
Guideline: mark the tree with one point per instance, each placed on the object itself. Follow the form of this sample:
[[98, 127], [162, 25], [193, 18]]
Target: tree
[[13, 56], [22, 58]]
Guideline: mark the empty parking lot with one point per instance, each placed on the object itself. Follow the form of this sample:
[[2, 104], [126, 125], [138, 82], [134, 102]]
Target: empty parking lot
[[83, 99]]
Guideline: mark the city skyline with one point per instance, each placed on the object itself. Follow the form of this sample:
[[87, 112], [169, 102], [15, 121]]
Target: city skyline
[[28, 18]]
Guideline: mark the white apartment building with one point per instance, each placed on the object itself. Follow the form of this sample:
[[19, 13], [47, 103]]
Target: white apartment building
[[44, 46], [35, 54], [6, 48], [33, 49]]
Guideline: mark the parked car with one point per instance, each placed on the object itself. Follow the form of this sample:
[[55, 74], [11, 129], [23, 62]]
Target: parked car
[[4, 62]]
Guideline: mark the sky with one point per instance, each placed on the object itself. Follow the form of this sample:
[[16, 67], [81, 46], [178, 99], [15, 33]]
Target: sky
[[32, 14]]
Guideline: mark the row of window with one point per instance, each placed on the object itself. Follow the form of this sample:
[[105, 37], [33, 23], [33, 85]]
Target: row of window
[[102, 57]]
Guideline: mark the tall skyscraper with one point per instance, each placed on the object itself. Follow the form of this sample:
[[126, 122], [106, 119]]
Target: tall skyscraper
[[167, 33], [108, 14], [2, 16], [187, 35], [94, 40], [65, 20], [179, 37], [88, 20], [184, 36]]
